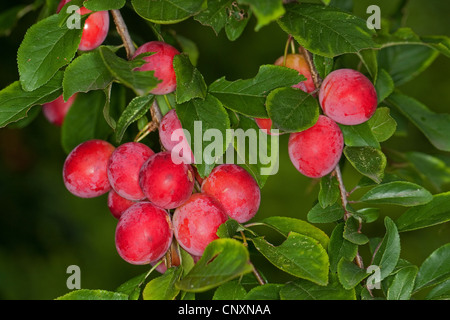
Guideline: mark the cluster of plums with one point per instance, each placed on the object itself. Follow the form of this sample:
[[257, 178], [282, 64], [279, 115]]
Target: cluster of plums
[[346, 97]]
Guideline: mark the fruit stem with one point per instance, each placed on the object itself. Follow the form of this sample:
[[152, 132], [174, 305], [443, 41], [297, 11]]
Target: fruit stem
[[123, 32], [314, 73], [286, 47]]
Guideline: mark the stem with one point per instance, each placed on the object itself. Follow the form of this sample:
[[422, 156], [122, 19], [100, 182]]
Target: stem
[[123, 32], [314, 74], [258, 276], [286, 47], [342, 190]]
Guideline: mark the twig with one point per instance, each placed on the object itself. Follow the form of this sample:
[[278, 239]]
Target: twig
[[314, 74], [123, 32], [342, 190]]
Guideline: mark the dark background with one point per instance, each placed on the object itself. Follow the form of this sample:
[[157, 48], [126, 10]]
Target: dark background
[[44, 229]]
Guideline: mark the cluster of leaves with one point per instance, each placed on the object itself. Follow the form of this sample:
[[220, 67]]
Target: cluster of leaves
[[112, 97]]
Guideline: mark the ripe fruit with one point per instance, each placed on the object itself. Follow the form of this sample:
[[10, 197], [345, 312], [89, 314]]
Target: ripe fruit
[[117, 205], [169, 123], [235, 189], [85, 169], [56, 111], [265, 124], [316, 151], [161, 61], [95, 28], [164, 183], [348, 97], [196, 222], [298, 62], [123, 169], [143, 233]]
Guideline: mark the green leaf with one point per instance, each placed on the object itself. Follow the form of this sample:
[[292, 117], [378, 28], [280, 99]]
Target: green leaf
[[433, 125], [168, 11], [403, 283], [15, 102], [435, 269], [228, 228], [85, 294], [100, 5], [431, 168], [324, 65], [339, 32], [265, 11], [268, 291], [329, 191], [440, 292], [45, 48], [132, 287], [350, 275], [369, 60], [352, 232], [368, 161], [84, 120], [141, 82], [287, 225], [137, 108], [359, 136], [298, 255], [237, 20], [190, 82], [249, 96], [367, 215], [86, 73], [382, 125], [340, 248], [384, 85], [163, 287], [326, 215], [306, 290], [388, 253], [197, 116], [435, 212], [188, 47], [401, 193], [231, 290], [291, 109], [222, 261], [10, 17], [216, 15]]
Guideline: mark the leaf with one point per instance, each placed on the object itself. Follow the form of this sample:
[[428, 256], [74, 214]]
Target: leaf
[[388, 253], [384, 85], [132, 286], [15, 102], [324, 65], [435, 212], [9, 18], [237, 20], [401, 193], [197, 116], [100, 5], [190, 82], [168, 11], [440, 292], [287, 225], [326, 31], [306, 290], [84, 121], [433, 125], [268, 291], [431, 168], [141, 82], [350, 275], [359, 136], [367, 215], [137, 108], [352, 232], [215, 15], [368, 161], [248, 96], [188, 47], [163, 287], [85, 294], [329, 191], [326, 215], [381, 124], [228, 228], [369, 59], [340, 248], [222, 261], [86, 73], [45, 48], [402, 284], [231, 290], [298, 255], [291, 109], [265, 11], [435, 269]]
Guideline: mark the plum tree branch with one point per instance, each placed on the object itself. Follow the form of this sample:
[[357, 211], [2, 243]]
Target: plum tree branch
[[123, 32]]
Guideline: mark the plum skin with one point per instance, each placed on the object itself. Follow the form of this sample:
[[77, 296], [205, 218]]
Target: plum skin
[[124, 166], [161, 62], [85, 169], [196, 222], [56, 110], [236, 191], [117, 205], [143, 233], [348, 97], [316, 151]]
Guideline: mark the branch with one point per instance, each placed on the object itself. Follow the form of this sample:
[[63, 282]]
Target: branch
[[314, 74], [123, 32]]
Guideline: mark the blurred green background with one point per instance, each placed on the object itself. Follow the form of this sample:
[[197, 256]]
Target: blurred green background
[[44, 229]]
